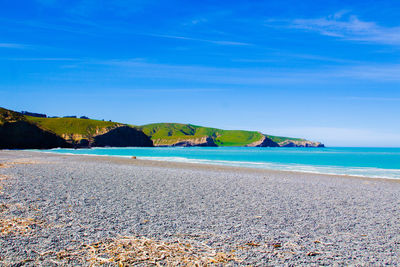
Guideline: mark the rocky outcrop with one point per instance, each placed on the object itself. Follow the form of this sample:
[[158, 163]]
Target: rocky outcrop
[[24, 135], [82, 139], [298, 143], [263, 142], [122, 136], [16, 132], [201, 141], [19, 131], [267, 142]]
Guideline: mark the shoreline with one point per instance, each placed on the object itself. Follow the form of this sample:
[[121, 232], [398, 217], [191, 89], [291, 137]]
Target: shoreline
[[167, 163]]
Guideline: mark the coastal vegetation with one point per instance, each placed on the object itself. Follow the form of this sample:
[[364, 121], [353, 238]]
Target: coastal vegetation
[[280, 139], [17, 132], [171, 133], [167, 134], [84, 132], [67, 126]]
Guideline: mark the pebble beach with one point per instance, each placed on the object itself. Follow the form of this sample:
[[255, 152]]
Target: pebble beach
[[90, 210]]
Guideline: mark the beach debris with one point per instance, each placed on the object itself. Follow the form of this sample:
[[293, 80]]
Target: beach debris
[[20, 162], [15, 225], [18, 226], [3, 207], [133, 157], [312, 253], [277, 245], [140, 250], [252, 244], [322, 243], [4, 177], [274, 244]]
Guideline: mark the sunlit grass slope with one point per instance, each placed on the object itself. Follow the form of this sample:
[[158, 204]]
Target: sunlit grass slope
[[68, 126], [279, 139], [168, 133]]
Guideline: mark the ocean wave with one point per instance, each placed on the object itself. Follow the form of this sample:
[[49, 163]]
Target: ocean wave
[[264, 159], [333, 170]]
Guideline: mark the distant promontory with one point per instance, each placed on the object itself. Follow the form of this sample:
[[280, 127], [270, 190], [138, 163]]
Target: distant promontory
[[28, 130]]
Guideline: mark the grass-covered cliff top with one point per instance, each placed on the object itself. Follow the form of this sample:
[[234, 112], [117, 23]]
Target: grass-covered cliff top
[[279, 139], [167, 133], [160, 133], [67, 126], [9, 116]]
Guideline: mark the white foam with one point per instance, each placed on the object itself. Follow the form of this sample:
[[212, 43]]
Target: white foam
[[334, 170]]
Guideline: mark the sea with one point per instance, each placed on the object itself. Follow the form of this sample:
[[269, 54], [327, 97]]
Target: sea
[[354, 161]]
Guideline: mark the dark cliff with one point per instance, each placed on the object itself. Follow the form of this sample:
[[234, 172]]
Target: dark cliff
[[22, 132], [203, 141], [123, 136], [24, 135], [268, 143]]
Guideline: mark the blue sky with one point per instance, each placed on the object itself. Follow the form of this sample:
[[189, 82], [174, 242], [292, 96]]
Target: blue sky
[[324, 71]]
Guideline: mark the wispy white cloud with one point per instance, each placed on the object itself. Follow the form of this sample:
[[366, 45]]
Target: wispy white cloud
[[42, 59], [345, 26], [375, 73], [284, 55], [85, 68], [218, 42], [87, 27], [196, 21], [250, 75], [168, 90], [85, 8], [14, 45]]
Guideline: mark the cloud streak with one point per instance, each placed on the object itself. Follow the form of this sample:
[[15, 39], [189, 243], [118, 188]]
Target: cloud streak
[[85, 27], [345, 26], [217, 42], [195, 75], [13, 45], [42, 59], [380, 73]]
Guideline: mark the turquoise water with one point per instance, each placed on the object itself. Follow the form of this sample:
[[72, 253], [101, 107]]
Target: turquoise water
[[369, 162]]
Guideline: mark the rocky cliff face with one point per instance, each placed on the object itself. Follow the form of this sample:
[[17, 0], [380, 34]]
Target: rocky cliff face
[[303, 143], [24, 135], [267, 142], [202, 141], [123, 136], [209, 141], [16, 132], [263, 142]]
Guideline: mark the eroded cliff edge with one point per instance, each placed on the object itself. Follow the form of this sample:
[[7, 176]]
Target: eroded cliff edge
[[17, 133], [177, 134], [21, 132], [187, 142], [123, 136]]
